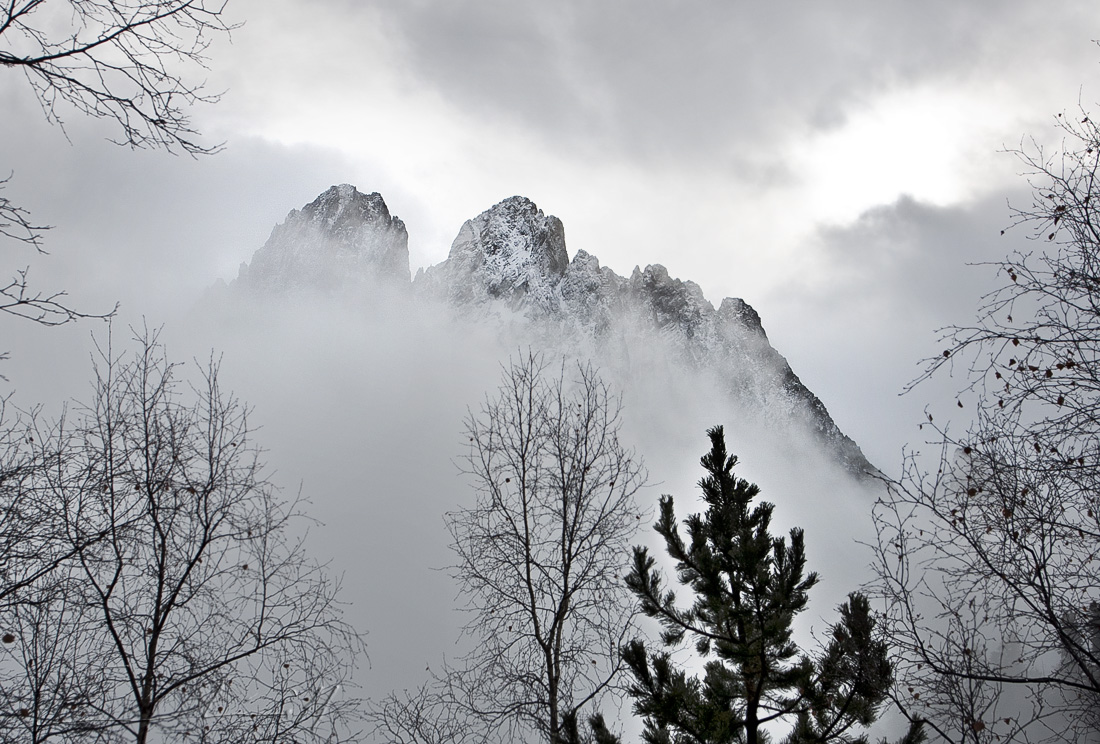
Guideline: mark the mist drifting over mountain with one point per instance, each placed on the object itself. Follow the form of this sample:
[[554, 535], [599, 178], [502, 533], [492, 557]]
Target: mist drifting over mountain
[[361, 378], [359, 374], [509, 272]]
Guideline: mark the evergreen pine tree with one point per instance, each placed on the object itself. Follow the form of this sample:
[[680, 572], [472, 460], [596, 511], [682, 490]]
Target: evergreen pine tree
[[748, 587]]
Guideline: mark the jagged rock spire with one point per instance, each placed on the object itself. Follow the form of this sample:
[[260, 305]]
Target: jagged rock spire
[[511, 252], [343, 237], [511, 262]]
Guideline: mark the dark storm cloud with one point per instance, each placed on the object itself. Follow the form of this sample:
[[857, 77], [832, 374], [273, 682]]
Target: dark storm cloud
[[709, 79]]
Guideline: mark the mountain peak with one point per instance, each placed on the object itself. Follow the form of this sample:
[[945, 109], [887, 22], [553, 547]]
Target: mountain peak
[[510, 264], [343, 237], [344, 208], [511, 252]]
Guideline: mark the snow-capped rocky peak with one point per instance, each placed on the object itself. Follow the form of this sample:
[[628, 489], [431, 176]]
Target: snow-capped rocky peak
[[512, 252], [509, 265], [344, 211], [341, 238]]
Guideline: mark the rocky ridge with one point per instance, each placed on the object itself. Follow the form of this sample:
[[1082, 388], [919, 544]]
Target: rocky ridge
[[510, 264]]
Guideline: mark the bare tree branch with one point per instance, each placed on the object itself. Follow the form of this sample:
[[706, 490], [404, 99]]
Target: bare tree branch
[[121, 60], [540, 556], [988, 551], [16, 297], [179, 601], [15, 222]]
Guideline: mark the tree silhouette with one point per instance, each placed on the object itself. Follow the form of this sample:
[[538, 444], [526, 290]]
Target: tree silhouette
[[122, 60], [747, 588], [539, 559], [175, 601], [987, 552]]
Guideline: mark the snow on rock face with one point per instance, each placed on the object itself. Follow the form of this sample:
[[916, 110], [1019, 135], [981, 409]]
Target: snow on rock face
[[590, 294], [731, 346], [512, 258], [509, 265], [341, 238], [734, 310], [670, 302], [511, 253]]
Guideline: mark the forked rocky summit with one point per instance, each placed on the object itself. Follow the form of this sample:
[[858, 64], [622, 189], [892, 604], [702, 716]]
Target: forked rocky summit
[[509, 266]]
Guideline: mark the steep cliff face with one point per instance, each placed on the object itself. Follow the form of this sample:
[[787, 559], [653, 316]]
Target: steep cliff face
[[512, 256], [342, 237], [509, 264]]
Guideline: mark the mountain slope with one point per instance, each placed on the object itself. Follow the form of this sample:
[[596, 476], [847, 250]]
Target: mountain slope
[[509, 266], [340, 236]]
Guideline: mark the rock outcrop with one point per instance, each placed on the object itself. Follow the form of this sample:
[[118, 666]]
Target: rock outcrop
[[510, 264], [342, 237]]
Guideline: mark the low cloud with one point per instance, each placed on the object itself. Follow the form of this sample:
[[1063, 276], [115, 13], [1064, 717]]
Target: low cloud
[[890, 280]]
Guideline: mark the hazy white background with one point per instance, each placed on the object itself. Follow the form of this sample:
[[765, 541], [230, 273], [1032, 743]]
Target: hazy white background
[[837, 165]]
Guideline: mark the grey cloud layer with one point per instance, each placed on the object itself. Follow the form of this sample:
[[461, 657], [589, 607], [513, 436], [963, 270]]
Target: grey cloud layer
[[706, 86], [698, 79], [896, 275]]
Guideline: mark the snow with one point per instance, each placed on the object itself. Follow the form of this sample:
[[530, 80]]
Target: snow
[[509, 266]]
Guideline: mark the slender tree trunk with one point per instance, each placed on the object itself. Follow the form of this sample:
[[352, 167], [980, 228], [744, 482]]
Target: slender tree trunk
[[144, 725], [552, 698], [752, 723]]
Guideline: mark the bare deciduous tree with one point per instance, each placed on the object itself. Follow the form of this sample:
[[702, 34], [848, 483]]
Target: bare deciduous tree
[[51, 686], [541, 555], [185, 607], [121, 60], [989, 558], [430, 714], [31, 533], [116, 59]]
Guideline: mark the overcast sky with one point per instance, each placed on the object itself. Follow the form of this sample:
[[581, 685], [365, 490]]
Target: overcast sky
[[835, 164]]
